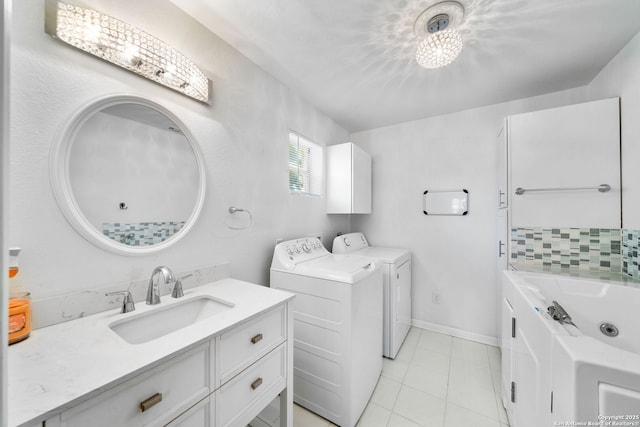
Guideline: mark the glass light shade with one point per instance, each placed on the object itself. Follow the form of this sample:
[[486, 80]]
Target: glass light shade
[[124, 45], [439, 49]]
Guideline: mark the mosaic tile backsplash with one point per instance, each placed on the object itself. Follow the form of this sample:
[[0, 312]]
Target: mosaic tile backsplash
[[602, 249], [630, 250], [141, 233]]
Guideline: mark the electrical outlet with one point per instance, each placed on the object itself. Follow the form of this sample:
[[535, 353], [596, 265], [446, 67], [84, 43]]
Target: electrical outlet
[[435, 298]]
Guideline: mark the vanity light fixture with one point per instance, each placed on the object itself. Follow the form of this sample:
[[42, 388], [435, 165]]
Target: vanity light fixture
[[440, 42], [126, 46]]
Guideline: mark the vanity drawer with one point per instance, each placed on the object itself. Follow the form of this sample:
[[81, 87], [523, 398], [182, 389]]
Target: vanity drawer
[[181, 383], [197, 416], [246, 343], [242, 398]]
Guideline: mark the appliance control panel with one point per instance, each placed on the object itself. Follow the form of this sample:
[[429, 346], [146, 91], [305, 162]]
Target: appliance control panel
[[291, 252], [349, 243]]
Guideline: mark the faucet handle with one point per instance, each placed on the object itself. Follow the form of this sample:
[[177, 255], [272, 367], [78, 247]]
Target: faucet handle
[[177, 287], [127, 302]]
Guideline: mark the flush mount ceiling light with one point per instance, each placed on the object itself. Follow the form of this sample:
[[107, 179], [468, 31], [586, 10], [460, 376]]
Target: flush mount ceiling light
[[126, 46], [440, 42]]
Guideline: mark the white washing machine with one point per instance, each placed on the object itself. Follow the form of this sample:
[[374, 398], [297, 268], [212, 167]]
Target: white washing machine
[[396, 266], [337, 327]]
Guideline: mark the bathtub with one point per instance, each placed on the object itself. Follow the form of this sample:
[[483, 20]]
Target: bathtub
[[565, 374]]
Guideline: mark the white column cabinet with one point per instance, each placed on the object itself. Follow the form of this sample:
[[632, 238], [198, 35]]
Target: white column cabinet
[[559, 157], [348, 179]]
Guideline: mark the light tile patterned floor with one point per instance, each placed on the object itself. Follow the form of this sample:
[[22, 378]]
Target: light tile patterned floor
[[435, 381]]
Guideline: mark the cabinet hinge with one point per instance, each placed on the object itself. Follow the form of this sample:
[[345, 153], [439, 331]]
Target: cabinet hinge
[[552, 402], [513, 392], [513, 327]]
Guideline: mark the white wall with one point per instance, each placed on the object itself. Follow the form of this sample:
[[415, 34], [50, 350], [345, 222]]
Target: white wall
[[621, 77], [243, 136], [453, 255]]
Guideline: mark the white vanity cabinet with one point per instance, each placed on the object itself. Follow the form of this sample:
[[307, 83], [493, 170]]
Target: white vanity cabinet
[[224, 381], [348, 179]]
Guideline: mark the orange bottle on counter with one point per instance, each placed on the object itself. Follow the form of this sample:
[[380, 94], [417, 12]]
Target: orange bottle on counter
[[19, 316], [13, 261]]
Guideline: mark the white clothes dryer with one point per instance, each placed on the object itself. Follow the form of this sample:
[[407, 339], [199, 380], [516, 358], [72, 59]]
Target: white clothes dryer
[[337, 327], [396, 266]]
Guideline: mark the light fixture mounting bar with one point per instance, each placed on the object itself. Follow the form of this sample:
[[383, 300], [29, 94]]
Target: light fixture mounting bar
[[453, 10], [126, 46]]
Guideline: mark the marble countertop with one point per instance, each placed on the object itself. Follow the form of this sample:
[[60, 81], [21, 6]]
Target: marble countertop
[[59, 366]]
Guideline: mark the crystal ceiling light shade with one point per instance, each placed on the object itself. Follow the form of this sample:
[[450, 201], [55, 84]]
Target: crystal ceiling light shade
[[126, 46], [440, 43], [439, 49]]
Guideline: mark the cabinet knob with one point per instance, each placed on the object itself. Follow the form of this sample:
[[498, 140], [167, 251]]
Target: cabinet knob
[[150, 402], [256, 383], [256, 339]]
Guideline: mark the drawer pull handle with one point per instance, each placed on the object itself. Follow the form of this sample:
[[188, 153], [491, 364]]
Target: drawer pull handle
[[256, 383], [150, 402], [256, 339]]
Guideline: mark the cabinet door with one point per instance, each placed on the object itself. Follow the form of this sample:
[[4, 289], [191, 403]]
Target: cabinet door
[[531, 362], [576, 146], [348, 179], [506, 348], [361, 181], [502, 168]]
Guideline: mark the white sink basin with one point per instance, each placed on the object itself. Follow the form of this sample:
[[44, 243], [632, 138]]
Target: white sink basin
[[164, 320]]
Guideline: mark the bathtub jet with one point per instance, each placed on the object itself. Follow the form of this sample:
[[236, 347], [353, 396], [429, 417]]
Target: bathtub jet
[[609, 329]]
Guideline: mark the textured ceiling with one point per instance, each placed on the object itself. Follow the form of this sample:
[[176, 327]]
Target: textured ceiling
[[354, 59]]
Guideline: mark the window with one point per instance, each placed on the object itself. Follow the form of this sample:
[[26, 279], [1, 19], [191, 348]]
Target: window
[[305, 166]]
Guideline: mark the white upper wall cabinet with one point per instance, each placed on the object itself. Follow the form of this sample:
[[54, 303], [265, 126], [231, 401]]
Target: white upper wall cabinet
[[348, 180], [559, 150]]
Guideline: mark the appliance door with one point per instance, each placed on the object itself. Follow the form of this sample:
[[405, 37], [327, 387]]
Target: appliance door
[[400, 306]]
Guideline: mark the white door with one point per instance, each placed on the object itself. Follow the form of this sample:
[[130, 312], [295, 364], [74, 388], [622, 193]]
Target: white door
[[577, 146]]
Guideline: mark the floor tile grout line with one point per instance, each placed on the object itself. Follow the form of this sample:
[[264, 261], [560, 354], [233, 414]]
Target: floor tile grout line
[[446, 400]]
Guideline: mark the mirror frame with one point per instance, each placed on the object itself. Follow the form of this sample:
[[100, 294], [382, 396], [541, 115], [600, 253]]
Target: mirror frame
[[61, 186]]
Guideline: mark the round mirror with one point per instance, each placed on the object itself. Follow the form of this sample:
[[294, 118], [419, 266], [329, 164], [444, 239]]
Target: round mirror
[[128, 175]]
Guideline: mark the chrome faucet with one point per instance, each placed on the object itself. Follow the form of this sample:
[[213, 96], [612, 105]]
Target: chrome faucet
[[177, 287], [127, 300], [153, 292]]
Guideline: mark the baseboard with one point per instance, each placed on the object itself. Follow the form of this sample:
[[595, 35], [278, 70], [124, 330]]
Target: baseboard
[[460, 333]]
